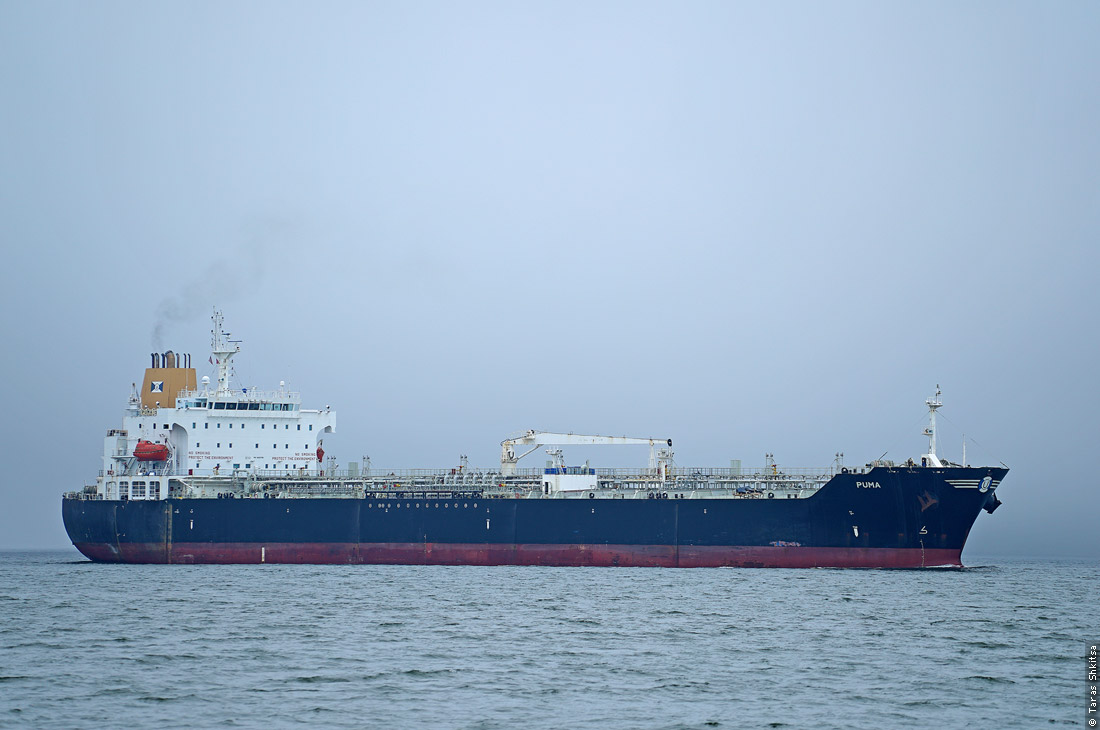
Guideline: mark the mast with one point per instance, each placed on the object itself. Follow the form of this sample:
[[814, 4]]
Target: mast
[[223, 351], [933, 403]]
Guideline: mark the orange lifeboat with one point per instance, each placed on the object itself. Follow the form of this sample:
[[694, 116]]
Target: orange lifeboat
[[148, 451]]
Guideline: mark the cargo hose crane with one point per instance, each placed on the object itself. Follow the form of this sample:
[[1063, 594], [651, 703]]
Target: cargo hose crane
[[659, 460]]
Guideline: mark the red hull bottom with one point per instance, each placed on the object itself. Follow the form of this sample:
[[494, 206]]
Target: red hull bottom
[[660, 556]]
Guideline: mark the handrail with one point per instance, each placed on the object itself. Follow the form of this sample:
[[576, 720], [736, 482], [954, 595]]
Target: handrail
[[763, 474], [247, 395]]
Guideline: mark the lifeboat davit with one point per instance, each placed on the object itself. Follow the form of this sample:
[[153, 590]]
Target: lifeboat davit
[[148, 451]]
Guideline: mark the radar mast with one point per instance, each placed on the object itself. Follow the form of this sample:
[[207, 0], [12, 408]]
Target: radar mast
[[223, 351]]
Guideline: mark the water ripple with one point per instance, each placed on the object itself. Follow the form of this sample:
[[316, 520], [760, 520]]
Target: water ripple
[[539, 648]]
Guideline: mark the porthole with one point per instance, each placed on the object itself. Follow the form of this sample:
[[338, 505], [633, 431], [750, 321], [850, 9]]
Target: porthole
[[446, 506]]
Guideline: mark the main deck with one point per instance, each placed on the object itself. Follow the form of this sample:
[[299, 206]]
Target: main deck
[[548, 483]]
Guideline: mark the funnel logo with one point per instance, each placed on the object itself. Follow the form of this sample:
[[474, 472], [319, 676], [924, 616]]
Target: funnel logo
[[157, 386]]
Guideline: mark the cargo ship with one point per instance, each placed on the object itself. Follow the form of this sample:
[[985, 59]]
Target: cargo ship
[[204, 472]]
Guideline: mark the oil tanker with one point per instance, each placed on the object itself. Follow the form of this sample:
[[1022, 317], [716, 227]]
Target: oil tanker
[[204, 472]]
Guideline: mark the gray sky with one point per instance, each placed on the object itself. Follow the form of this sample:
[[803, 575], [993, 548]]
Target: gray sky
[[750, 227]]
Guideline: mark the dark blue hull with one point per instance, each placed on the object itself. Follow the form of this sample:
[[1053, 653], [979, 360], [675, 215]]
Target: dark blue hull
[[887, 517]]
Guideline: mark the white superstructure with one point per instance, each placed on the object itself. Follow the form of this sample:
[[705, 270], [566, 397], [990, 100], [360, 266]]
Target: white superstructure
[[209, 431]]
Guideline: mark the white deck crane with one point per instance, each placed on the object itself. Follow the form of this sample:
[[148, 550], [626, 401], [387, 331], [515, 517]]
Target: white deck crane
[[659, 459]]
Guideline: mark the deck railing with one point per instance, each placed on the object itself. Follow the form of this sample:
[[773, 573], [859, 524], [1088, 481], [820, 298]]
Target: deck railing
[[478, 474]]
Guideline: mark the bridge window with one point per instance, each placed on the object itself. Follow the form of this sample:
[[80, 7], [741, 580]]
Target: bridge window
[[311, 427], [299, 427], [206, 425]]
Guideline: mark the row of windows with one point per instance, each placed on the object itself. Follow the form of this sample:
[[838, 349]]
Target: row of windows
[[137, 489], [195, 425], [249, 466], [237, 406], [286, 426], [219, 406]]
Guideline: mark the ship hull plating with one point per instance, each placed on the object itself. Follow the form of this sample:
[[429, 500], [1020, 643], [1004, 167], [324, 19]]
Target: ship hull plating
[[885, 518]]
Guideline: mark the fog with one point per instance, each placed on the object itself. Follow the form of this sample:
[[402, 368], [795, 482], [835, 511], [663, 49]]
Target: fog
[[747, 227]]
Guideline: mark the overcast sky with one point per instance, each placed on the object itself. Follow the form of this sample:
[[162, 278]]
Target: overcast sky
[[750, 227]]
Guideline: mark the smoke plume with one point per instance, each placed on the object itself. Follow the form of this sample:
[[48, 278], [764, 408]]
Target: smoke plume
[[226, 279]]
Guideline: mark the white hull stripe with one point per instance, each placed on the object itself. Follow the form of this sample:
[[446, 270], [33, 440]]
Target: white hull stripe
[[970, 483]]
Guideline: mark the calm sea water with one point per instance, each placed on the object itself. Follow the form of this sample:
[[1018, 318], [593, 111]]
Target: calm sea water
[[1000, 644]]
